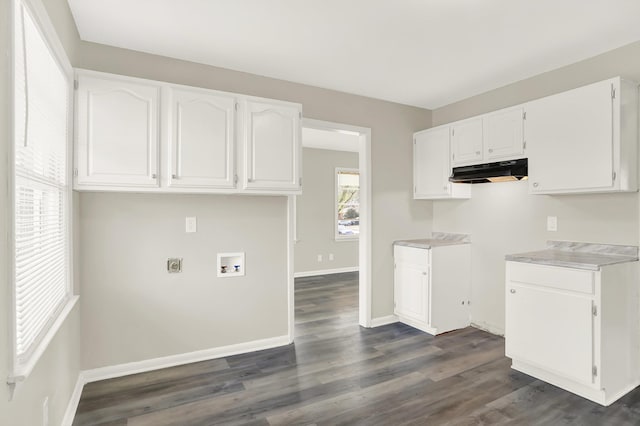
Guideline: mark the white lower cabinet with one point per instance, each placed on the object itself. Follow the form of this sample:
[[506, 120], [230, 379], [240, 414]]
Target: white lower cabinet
[[432, 287], [574, 328]]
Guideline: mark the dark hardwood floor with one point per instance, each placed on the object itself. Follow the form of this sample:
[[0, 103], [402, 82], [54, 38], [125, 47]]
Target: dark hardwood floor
[[337, 373]]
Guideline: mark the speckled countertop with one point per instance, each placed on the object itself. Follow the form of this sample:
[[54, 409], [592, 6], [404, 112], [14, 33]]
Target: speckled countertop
[[578, 255], [438, 239]]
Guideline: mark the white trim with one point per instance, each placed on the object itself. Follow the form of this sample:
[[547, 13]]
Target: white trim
[[380, 321], [72, 406], [113, 371], [291, 235], [364, 240], [489, 328], [326, 272], [136, 367]]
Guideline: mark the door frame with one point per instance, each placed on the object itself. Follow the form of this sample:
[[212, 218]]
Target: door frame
[[364, 240]]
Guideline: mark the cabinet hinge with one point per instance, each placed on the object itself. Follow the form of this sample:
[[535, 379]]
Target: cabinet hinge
[[594, 371], [300, 115], [453, 156], [524, 144], [613, 175], [75, 84], [235, 178], [594, 310], [236, 106], [524, 115], [613, 92], [75, 172], [300, 181], [453, 132]]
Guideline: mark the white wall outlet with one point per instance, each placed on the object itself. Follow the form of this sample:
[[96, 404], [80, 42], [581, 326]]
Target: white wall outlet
[[552, 223], [319, 258], [45, 412], [330, 256], [191, 224]]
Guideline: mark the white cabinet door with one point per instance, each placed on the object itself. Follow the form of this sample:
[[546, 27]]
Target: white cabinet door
[[117, 132], [466, 142], [431, 164], [570, 140], [272, 146], [551, 329], [201, 139], [503, 135], [411, 284]]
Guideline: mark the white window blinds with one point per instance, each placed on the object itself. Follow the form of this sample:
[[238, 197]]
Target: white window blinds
[[41, 190]]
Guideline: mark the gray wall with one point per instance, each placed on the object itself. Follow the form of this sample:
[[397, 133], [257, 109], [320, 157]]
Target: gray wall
[[316, 212], [57, 370], [503, 218], [395, 214], [132, 309]]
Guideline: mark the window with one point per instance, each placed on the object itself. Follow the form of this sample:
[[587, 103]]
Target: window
[[347, 203], [41, 192]]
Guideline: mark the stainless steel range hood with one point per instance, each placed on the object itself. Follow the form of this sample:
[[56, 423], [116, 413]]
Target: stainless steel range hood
[[501, 171]]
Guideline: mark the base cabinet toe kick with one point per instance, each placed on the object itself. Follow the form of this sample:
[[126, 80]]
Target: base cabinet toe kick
[[577, 329]]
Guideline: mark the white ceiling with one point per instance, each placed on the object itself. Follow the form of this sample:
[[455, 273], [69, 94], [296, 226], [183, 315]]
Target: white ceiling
[[426, 53], [333, 140]]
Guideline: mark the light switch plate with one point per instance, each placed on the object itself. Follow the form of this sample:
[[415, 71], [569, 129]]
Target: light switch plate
[[552, 223], [191, 224]]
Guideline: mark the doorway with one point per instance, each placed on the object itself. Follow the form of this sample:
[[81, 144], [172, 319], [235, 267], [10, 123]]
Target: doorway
[[362, 137]]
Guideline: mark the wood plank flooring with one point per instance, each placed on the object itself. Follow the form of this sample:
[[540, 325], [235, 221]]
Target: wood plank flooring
[[337, 373]]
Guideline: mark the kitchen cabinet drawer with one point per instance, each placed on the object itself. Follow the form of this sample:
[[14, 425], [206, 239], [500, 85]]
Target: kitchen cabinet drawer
[[576, 280]]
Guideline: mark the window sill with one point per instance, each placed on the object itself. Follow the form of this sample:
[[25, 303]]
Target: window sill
[[21, 372]]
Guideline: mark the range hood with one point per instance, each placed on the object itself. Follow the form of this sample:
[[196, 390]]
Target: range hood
[[501, 171]]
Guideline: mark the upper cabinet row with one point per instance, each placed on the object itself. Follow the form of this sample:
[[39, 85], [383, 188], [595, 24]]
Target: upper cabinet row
[[579, 141], [142, 135]]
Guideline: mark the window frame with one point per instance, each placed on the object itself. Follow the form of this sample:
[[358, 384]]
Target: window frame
[[336, 185], [20, 370]]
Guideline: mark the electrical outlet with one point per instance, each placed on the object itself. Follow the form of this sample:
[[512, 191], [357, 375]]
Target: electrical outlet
[[191, 224], [174, 265], [319, 258], [45, 412], [552, 223], [330, 256]]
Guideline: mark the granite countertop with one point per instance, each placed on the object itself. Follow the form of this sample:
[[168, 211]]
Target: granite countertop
[[437, 239], [578, 255]]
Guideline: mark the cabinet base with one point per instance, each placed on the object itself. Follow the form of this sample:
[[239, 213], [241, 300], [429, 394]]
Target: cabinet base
[[601, 396], [423, 327]]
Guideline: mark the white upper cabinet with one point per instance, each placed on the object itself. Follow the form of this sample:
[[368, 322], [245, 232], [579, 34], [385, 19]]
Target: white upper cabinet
[[151, 136], [466, 142], [201, 139], [117, 137], [584, 140], [431, 168], [503, 134], [272, 146]]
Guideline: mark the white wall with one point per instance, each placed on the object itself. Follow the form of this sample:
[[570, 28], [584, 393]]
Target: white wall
[[316, 213], [56, 372], [503, 218]]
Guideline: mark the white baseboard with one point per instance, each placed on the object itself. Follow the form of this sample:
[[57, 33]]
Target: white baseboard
[[326, 272], [490, 328], [380, 321], [112, 371], [72, 406]]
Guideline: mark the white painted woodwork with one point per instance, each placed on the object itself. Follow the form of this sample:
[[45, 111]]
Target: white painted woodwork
[[272, 145], [574, 328], [201, 141], [432, 287], [466, 142], [117, 136], [208, 141], [584, 140], [431, 167], [503, 135]]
